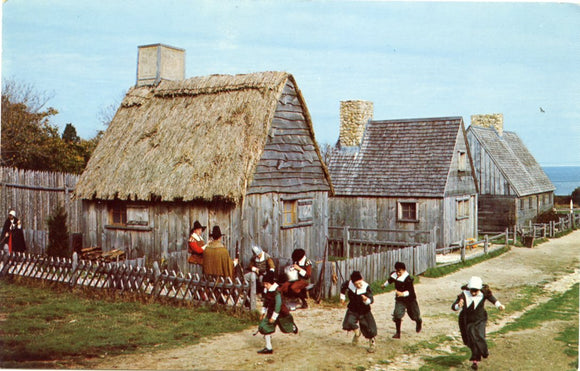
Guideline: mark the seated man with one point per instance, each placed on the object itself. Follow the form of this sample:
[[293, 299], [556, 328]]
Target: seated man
[[298, 277], [260, 264], [216, 258]]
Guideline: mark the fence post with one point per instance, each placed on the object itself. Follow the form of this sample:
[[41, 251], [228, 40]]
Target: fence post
[[515, 234], [462, 245], [253, 292], [507, 237], [345, 243], [485, 244]]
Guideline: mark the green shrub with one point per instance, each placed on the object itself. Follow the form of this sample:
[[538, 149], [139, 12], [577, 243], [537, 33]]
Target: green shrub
[[58, 236]]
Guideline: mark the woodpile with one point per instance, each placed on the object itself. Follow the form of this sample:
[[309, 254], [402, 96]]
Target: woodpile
[[97, 254]]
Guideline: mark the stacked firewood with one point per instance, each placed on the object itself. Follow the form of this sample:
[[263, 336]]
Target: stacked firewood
[[97, 254]]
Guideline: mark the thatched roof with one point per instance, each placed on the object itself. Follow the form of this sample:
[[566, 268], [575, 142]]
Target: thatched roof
[[199, 138]]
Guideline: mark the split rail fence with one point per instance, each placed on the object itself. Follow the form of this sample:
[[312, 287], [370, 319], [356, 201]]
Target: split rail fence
[[130, 279]]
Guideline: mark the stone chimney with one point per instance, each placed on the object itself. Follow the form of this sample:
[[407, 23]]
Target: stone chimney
[[493, 120], [158, 62], [354, 115]]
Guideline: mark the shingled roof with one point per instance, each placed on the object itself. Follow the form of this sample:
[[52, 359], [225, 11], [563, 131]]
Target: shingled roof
[[199, 138], [407, 158], [513, 160]]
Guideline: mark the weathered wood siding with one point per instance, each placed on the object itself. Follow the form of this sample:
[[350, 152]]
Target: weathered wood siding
[[167, 229], [460, 187], [496, 212], [289, 162], [263, 226], [34, 195], [381, 213], [490, 179]]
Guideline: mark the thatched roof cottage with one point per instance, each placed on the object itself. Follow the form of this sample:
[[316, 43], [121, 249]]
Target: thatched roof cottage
[[236, 151], [403, 175], [513, 187]]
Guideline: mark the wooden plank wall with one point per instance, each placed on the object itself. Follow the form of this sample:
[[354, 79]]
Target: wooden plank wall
[[34, 195], [376, 266], [491, 180], [381, 213]]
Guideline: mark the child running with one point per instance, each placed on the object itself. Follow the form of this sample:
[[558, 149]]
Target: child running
[[360, 298], [473, 317], [274, 313], [405, 298]]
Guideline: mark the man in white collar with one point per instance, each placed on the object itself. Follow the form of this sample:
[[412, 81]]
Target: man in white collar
[[405, 298], [360, 298]]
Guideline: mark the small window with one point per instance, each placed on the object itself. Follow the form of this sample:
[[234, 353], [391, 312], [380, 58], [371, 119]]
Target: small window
[[297, 213], [462, 208], [521, 204], [531, 202], [407, 211], [118, 213], [461, 161]]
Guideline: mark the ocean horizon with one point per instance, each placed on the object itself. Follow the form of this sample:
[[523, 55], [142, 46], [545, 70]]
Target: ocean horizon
[[565, 178]]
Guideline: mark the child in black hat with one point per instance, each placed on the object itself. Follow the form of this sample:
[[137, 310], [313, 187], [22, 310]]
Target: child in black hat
[[360, 298], [274, 313]]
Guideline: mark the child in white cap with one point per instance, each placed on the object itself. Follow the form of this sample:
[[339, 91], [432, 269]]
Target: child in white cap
[[473, 317]]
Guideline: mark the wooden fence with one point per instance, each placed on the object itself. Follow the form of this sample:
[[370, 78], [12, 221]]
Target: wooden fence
[[34, 195], [375, 266], [130, 279]]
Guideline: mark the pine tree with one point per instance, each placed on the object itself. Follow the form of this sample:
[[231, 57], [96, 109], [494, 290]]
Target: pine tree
[[58, 236]]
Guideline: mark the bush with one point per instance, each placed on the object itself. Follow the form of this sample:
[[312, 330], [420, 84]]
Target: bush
[[576, 196], [58, 235]]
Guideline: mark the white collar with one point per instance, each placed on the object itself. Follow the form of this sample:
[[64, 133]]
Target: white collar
[[262, 258], [302, 261], [196, 237], [356, 290], [470, 298], [273, 287], [402, 278]]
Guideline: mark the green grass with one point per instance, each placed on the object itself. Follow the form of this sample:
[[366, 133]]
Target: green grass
[[43, 324], [561, 307], [437, 272]]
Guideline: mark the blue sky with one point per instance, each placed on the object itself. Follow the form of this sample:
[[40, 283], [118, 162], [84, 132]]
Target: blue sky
[[411, 59]]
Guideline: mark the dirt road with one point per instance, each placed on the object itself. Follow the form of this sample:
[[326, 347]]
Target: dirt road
[[322, 345]]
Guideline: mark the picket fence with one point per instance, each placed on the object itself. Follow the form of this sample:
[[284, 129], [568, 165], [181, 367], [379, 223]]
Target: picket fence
[[131, 280]]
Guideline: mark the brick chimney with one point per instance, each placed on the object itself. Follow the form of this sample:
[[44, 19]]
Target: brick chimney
[[354, 115], [158, 62], [493, 120]]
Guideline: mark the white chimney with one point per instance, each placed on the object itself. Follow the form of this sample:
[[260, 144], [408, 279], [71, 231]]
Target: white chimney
[[158, 62], [354, 115], [493, 120]]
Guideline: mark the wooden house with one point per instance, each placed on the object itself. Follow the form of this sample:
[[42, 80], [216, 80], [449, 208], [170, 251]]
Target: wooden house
[[406, 175], [513, 188], [237, 151]]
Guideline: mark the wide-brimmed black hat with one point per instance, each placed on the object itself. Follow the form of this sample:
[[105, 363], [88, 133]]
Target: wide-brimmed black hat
[[197, 225], [216, 232]]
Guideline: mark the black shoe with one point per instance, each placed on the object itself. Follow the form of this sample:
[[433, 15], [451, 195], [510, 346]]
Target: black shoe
[[419, 326], [266, 351], [295, 330], [397, 335], [474, 366]]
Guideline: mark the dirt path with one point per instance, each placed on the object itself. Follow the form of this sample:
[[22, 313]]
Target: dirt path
[[322, 345]]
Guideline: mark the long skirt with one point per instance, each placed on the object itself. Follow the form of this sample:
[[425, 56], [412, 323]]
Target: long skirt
[[473, 336], [368, 326]]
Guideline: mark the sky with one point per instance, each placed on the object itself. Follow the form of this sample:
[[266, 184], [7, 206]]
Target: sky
[[411, 59]]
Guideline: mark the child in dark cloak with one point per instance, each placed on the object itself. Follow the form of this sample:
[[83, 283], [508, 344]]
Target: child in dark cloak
[[274, 313], [473, 317], [360, 298]]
